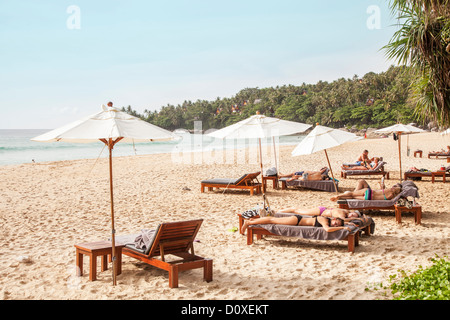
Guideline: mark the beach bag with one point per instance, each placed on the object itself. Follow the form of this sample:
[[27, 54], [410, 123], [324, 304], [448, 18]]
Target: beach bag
[[271, 172]]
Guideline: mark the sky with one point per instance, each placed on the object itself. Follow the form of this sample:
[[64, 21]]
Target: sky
[[61, 60]]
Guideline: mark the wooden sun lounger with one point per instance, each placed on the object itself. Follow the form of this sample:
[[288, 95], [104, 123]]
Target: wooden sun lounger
[[248, 181], [438, 155], [352, 238], [175, 238], [431, 174], [378, 170]]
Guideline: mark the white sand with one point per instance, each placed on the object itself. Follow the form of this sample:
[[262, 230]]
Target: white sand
[[46, 208]]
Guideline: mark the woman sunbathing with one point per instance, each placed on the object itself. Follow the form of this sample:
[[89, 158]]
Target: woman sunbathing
[[306, 175], [364, 192], [329, 224], [343, 214]]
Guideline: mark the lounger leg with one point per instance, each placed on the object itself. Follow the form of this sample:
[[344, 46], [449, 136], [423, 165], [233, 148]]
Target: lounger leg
[[93, 268], [79, 263], [208, 270], [249, 236], [173, 276], [351, 243]]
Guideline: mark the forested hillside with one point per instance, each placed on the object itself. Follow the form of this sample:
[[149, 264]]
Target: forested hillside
[[373, 100]]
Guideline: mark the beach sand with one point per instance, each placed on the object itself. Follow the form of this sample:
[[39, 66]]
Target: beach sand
[[46, 208]]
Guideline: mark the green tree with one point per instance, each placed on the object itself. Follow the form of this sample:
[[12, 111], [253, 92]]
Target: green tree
[[423, 43]]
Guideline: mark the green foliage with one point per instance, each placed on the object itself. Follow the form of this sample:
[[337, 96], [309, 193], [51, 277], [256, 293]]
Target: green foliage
[[375, 100], [432, 283]]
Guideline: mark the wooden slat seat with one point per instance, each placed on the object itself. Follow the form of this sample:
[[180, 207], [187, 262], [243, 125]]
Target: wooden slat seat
[[174, 238]]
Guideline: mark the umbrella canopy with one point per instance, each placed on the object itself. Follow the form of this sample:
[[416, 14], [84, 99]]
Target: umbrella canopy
[[257, 127], [323, 138], [445, 132], [109, 123], [399, 129], [260, 126], [109, 126]]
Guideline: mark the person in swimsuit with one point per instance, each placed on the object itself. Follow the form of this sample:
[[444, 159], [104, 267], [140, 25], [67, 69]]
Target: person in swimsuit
[[344, 214], [322, 211], [364, 192], [306, 175], [329, 224]]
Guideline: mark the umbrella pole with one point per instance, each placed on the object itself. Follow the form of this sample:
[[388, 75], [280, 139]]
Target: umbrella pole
[[113, 231], [400, 154], [110, 143], [331, 170], [262, 175]]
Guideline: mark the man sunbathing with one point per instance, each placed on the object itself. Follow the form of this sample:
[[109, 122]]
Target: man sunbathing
[[307, 175], [364, 192], [329, 224]]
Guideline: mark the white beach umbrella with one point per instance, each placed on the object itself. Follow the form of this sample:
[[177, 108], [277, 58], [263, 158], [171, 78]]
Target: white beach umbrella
[[109, 126], [445, 132], [259, 127], [323, 138], [400, 129]]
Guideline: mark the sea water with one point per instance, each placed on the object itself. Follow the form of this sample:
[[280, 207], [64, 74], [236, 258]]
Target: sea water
[[16, 146]]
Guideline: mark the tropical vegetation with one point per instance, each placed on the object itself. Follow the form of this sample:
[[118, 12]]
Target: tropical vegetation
[[422, 42], [373, 100]]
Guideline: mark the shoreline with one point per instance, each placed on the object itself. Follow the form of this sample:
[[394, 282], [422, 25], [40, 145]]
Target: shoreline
[[46, 209]]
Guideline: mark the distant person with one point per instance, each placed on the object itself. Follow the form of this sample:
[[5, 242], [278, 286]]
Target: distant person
[[307, 175], [364, 157], [443, 151], [373, 163]]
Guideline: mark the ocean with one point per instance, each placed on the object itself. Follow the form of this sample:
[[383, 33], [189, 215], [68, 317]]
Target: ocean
[[17, 148]]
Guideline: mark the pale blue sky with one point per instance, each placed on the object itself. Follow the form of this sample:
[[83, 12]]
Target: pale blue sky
[[150, 53]]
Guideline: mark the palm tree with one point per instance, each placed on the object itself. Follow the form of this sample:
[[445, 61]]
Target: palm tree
[[423, 44]]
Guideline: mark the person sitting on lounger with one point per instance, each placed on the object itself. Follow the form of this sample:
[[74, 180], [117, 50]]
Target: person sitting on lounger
[[329, 224], [373, 163], [364, 192], [364, 157], [307, 175]]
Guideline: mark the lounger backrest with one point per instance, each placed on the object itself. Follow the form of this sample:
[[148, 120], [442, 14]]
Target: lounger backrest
[[246, 177], [175, 237], [379, 165]]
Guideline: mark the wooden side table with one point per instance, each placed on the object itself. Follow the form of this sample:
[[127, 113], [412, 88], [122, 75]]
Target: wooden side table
[[418, 152], [417, 210], [93, 250], [274, 181], [438, 173]]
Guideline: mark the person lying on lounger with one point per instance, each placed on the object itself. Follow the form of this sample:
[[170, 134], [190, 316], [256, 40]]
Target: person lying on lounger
[[329, 224], [364, 192], [307, 175], [371, 164], [343, 214], [443, 151]]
